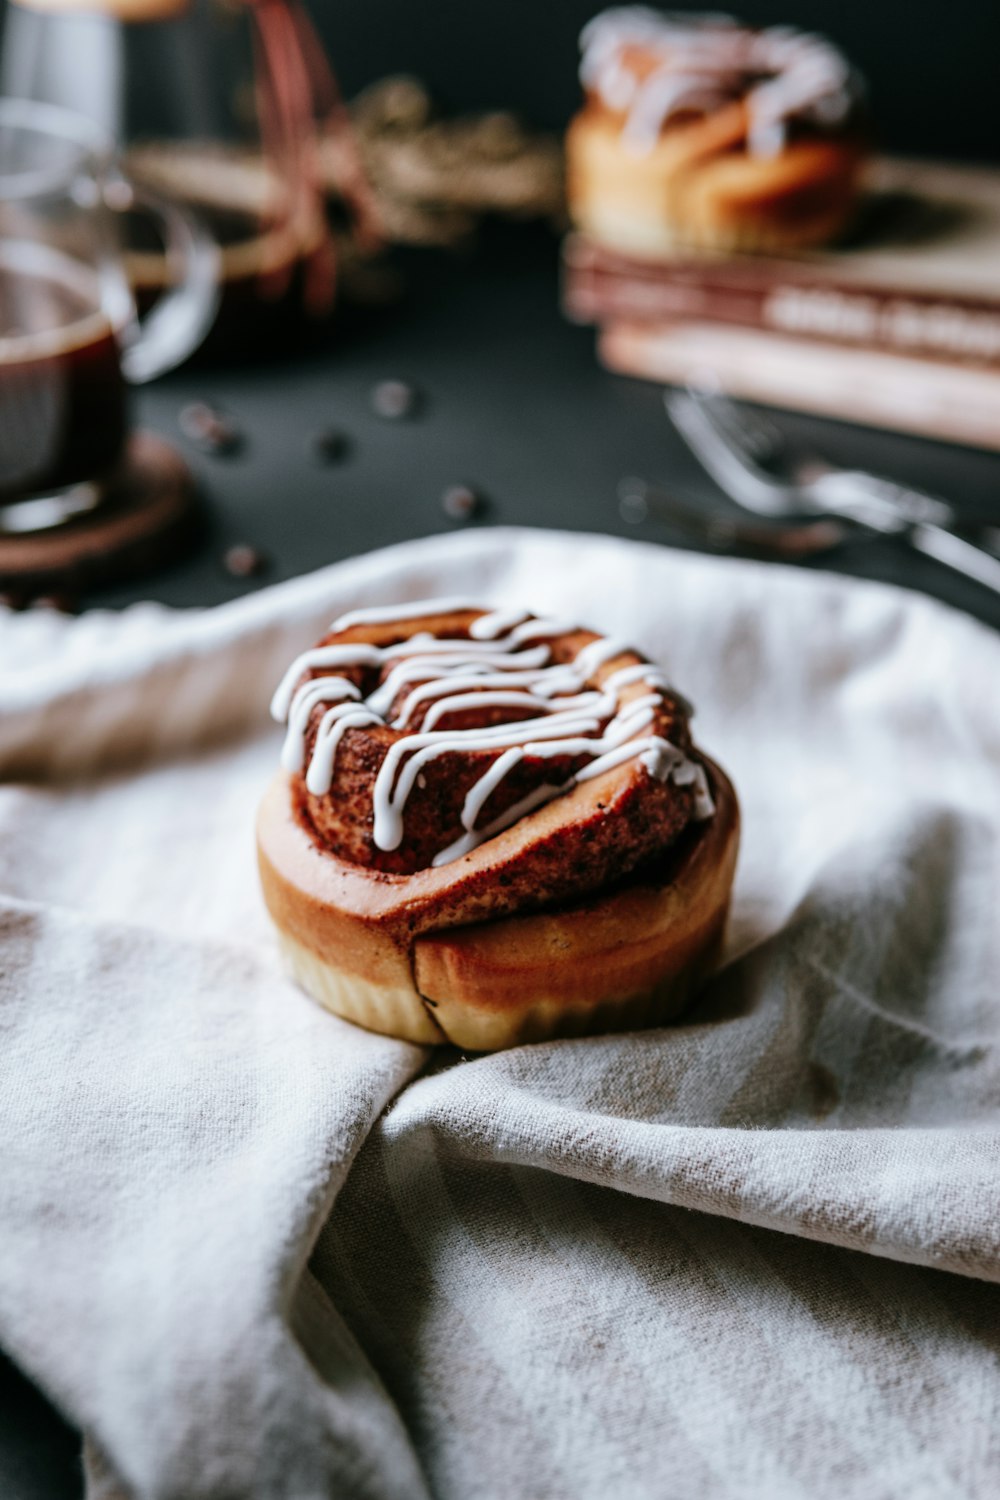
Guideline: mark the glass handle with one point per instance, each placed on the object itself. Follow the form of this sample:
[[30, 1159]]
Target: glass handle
[[181, 317]]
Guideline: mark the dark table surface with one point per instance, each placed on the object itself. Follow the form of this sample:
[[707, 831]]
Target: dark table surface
[[515, 405]]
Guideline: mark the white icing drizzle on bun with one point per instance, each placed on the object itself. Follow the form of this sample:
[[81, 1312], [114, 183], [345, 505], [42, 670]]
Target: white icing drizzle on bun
[[703, 62], [567, 713], [381, 614]]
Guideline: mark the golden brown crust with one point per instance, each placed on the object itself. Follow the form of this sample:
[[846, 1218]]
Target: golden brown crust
[[599, 908], [391, 1008], [529, 865], [698, 187], [376, 950]]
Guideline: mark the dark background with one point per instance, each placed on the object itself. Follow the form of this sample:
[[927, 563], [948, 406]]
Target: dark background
[[933, 68]]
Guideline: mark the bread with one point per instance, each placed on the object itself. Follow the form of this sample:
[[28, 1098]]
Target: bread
[[699, 134], [600, 907]]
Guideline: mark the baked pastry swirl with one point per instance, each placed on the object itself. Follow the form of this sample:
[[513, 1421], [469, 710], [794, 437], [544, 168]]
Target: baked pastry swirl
[[491, 827], [700, 133]]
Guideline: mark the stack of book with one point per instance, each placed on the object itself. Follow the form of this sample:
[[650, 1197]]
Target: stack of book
[[900, 328]]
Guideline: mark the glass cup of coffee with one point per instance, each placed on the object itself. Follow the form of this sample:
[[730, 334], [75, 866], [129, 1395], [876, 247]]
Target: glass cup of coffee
[[70, 339]]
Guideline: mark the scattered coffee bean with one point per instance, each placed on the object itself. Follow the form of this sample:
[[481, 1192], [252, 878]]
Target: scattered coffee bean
[[394, 399], [633, 506], [461, 503], [331, 446], [243, 561], [212, 430], [12, 601], [633, 509]]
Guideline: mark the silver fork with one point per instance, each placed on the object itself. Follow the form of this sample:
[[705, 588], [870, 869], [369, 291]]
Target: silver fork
[[749, 458], [638, 501]]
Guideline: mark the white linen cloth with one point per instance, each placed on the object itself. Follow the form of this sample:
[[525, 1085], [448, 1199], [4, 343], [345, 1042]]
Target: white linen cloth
[[255, 1252]]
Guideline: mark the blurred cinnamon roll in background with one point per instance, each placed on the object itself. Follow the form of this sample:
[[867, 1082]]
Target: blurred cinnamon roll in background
[[700, 133]]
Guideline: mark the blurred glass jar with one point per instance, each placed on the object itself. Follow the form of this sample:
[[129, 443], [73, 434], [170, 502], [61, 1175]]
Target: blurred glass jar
[[210, 102]]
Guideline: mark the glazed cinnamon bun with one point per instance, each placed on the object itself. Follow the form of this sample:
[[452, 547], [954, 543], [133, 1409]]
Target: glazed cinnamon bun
[[490, 828], [700, 133]]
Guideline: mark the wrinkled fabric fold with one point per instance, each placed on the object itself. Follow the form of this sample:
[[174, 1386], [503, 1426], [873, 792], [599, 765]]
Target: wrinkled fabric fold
[[255, 1251]]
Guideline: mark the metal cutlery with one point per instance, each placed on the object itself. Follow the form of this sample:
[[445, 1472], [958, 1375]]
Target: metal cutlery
[[749, 458], [638, 501]]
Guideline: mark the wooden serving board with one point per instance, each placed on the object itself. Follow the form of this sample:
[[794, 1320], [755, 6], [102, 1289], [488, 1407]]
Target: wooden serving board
[[149, 517]]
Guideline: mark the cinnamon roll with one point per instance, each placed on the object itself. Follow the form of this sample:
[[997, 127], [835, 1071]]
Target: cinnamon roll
[[700, 133], [490, 828]]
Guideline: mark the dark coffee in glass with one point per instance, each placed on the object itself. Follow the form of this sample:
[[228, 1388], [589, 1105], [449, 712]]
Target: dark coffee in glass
[[69, 339], [63, 403]]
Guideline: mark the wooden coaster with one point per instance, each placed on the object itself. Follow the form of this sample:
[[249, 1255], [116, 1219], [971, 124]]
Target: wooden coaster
[[148, 518]]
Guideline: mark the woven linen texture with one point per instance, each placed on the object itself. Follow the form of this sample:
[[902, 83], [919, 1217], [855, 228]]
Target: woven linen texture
[[253, 1251]]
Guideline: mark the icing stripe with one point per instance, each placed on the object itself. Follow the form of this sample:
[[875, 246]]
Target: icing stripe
[[496, 667], [384, 614], [703, 62]]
